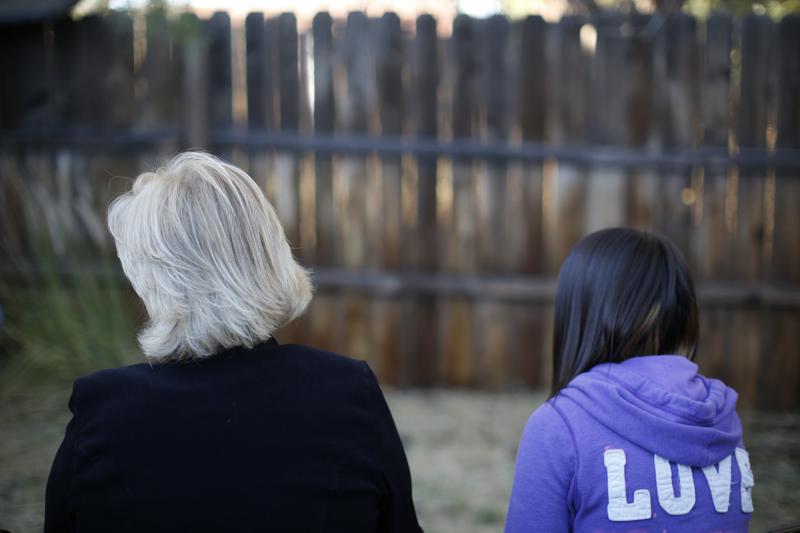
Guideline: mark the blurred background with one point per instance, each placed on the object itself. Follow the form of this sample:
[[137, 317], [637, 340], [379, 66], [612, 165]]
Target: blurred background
[[432, 163]]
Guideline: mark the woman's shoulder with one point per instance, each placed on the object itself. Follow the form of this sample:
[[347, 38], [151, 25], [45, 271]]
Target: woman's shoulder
[[329, 359], [264, 364]]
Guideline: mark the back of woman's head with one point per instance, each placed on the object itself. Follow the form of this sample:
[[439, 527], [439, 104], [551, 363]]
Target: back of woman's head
[[207, 255], [621, 293]]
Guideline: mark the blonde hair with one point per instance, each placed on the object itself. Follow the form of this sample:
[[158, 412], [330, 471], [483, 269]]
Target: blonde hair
[[205, 252]]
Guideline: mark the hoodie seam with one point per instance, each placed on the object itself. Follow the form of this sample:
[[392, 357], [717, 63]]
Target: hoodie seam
[[573, 484]]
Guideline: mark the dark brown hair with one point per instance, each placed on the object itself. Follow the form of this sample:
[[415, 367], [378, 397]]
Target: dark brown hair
[[621, 293]]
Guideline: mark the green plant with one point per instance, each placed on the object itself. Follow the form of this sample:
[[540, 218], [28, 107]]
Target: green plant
[[64, 323], [67, 309]]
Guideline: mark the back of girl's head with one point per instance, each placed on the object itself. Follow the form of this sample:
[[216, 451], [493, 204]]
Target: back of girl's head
[[621, 293]]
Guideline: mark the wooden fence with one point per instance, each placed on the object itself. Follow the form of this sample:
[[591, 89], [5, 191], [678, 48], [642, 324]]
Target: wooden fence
[[435, 182]]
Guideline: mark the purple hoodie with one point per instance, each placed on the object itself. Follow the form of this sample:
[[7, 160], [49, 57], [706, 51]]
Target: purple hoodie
[[644, 445]]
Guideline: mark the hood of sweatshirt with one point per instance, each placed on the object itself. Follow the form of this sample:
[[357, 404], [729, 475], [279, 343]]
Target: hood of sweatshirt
[[663, 405]]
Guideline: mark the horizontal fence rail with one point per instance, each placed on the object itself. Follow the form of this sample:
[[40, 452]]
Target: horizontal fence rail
[[383, 283], [581, 155]]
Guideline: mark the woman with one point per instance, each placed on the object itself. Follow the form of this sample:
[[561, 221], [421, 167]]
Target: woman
[[223, 429], [633, 438]]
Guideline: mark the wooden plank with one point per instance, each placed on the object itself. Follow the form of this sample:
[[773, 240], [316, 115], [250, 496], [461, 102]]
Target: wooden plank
[[157, 79], [457, 334], [67, 65], [458, 352], [756, 97], [158, 84], [531, 352], [322, 316], [26, 93], [493, 344], [104, 45], [532, 101], [567, 188], [220, 104], [494, 110], [756, 90], [260, 106], [119, 114], [421, 311], [286, 194], [779, 364], [463, 53], [606, 189], [352, 108], [192, 51], [524, 355], [386, 317], [422, 350], [426, 86], [713, 350], [745, 350], [324, 115], [676, 74], [642, 184], [785, 261], [119, 82], [492, 338], [714, 238], [257, 76], [92, 99], [220, 91], [389, 91], [25, 101], [778, 371], [354, 331]]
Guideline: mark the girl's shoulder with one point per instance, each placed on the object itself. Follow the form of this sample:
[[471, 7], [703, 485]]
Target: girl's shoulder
[[548, 433]]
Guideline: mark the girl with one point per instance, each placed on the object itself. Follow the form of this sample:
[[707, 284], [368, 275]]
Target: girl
[[632, 437]]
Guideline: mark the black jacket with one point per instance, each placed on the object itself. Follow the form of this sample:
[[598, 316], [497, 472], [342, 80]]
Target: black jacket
[[271, 439]]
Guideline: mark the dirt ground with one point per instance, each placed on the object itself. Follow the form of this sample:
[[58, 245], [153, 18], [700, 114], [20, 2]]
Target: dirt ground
[[461, 448]]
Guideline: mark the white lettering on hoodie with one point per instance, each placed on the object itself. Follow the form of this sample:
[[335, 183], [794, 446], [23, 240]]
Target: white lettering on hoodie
[[619, 510], [718, 478], [719, 483], [672, 504]]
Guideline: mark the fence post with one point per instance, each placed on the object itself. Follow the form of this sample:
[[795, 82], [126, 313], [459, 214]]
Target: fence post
[[386, 318], [779, 372], [220, 93], [714, 237], [785, 261], [194, 90], [324, 115], [532, 101], [352, 107], [389, 90], [26, 99], [642, 183], [260, 105], [286, 194], [756, 96], [427, 82], [567, 187], [458, 349], [257, 76], [494, 108], [423, 346], [351, 180], [606, 192], [495, 219]]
